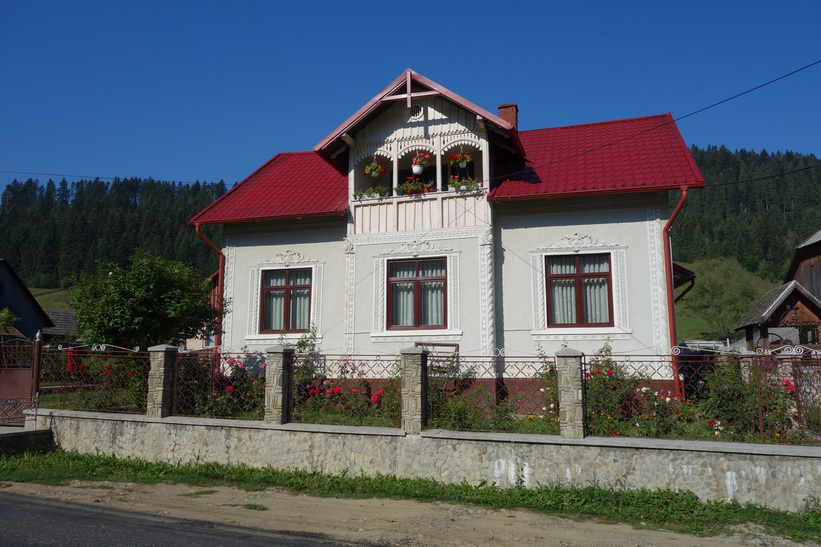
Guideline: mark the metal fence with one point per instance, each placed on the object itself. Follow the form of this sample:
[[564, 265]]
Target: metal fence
[[220, 385], [727, 397], [97, 378], [510, 394], [346, 390]]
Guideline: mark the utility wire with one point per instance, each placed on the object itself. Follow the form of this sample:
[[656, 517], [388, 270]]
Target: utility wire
[[504, 177]]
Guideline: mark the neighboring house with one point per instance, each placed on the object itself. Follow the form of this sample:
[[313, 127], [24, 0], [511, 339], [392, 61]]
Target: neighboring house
[[564, 241], [64, 329], [790, 314], [15, 296]]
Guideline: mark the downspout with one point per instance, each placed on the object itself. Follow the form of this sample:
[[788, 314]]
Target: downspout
[[220, 276], [668, 261]]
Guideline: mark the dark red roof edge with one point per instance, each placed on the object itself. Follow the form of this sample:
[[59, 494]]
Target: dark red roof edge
[[632, 189]]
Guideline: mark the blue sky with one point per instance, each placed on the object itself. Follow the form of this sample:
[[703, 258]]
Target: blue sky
[[204, 90]]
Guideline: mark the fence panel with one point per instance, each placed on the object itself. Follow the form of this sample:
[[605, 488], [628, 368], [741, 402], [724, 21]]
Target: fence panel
[[226, 385], [518, 395], [346, 390], [726, 397], [94, 378]]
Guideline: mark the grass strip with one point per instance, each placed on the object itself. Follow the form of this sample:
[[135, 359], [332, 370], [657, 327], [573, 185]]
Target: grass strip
[[679, 512]]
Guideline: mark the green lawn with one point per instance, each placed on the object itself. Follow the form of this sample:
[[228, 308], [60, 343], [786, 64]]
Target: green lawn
[[51, 299]]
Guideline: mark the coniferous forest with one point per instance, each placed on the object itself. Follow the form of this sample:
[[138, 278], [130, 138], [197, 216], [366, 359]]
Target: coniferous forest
[[756, 208], [48, 231]]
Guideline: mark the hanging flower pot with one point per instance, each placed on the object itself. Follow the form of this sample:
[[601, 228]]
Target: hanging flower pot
[[461, 159], [375, 169], [419, 163]]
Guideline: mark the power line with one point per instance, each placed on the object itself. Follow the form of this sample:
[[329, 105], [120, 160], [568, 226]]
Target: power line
[[509, 175]]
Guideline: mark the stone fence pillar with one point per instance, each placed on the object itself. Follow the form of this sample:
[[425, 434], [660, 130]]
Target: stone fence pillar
[[279, 385], [571, 398], [413, 368], [161, 381]]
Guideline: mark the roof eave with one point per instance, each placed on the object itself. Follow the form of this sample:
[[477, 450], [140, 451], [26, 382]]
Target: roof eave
[[549, 195], [333, 213]]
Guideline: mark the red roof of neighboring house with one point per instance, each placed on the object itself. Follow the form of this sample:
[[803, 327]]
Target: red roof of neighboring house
[[618, 156], [289, 185]]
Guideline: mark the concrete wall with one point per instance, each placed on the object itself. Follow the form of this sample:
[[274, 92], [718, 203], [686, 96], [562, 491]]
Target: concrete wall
[[776, 476]]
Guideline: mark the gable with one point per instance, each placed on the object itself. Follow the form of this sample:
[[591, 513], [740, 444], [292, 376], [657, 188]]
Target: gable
[[15, 295]]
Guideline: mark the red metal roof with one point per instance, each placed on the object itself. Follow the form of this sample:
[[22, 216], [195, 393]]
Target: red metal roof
[[289, 185], [618, 156]]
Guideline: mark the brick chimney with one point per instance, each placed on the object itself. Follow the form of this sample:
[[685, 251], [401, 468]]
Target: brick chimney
[[510, 113]]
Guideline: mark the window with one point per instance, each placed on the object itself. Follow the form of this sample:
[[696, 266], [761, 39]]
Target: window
[[416, 294], [286, 300], [579, 290]]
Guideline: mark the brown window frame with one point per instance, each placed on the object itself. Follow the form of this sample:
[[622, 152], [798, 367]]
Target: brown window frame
[[287, 288], [417, 294], [578, 294]]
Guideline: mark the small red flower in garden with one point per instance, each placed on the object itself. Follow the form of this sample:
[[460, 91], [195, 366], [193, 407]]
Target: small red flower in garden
[[105, 357], [81, 367], [711, 422], [787, 384], [380, 391], [69, 367], [315, 391], [108, 367], [610, 372], [374, 398], [336, 390], [587, 375], [229, 389], [106, 372], [131, 373], [597, 371]]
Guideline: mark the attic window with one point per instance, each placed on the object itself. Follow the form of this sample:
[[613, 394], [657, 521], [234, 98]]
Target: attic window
[[415, 113]]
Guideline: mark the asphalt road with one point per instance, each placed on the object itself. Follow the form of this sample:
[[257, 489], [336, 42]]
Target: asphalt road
[[28, 521]]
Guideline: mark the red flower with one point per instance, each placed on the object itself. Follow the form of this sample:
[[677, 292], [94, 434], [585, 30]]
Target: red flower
[[106, 372], [587, 375], [229, 389], [69, 367], [711, 422], [336, 390], [108, 367], [315, 391], [105, 357], [610, 372], [380, 391], [131, 373], [81, 367], [374, 398]]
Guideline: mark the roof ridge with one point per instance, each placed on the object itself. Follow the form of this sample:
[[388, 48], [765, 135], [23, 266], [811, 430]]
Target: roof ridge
[[607, 122]]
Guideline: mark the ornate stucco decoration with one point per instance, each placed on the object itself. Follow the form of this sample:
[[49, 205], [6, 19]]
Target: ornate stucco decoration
[[287, 258], [415, 248], [349, 246], [576, 243]]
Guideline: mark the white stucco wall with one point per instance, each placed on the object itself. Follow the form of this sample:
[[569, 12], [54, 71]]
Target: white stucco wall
[[628, 228], [251, 249]]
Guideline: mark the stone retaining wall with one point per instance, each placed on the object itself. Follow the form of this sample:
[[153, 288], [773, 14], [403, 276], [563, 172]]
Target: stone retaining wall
[[777, 476]]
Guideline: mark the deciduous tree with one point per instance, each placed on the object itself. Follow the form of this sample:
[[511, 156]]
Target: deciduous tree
[[152, 301]]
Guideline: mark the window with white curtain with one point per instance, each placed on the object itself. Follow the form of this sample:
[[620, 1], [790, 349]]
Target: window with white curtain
[[579, 290], [286, 300], [417, 294]]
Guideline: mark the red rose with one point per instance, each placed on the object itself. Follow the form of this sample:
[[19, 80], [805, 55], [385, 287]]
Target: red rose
[[229, 389], [609, 372]]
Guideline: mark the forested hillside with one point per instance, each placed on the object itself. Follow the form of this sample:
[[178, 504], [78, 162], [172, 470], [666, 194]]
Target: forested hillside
[[758, 223], [48, 232]]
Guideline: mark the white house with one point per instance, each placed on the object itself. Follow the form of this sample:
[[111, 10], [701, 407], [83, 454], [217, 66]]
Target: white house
[[559, 237]]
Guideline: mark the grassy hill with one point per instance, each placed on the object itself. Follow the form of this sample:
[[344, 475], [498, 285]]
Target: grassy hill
[[51, 299]]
